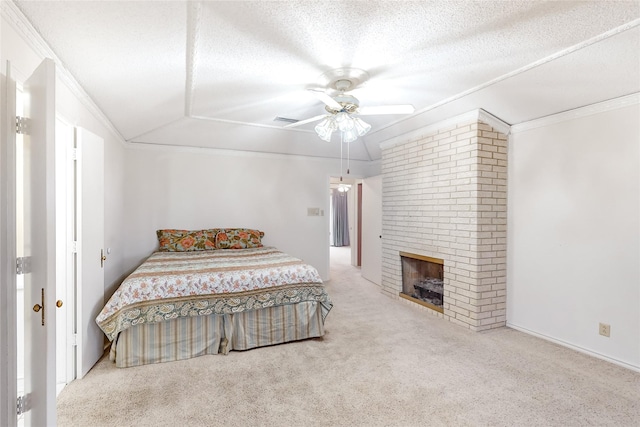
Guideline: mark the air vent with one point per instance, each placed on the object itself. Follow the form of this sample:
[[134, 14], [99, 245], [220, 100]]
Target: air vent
[[285, 119]]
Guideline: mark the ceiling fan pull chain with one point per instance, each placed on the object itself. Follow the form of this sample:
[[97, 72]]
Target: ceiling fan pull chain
[[341, 144], [348, 157]]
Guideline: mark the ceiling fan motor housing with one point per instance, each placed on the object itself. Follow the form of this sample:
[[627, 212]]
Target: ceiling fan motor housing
[[343, 79], [349, 104]]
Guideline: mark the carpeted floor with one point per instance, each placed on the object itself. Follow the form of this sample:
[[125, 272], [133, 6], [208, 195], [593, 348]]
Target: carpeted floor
[[381, 363]]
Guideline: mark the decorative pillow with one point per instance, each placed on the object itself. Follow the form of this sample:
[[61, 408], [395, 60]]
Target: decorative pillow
[[171, 240], [239, 238]]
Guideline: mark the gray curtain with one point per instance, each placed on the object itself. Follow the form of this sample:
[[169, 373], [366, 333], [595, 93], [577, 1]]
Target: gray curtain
[[340, 216]]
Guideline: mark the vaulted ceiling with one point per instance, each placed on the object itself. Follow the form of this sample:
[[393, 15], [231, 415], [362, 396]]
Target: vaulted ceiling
[[217, 73]]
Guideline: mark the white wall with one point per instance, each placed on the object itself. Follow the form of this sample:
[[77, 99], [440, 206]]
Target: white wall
[[193, 189], [573, 232]]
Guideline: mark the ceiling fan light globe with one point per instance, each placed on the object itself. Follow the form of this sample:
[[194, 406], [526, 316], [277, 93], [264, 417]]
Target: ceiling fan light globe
[[325, 128], [344, 121], [323, 124], [325, 134], [326, 137], [349, 136], [361, 126]]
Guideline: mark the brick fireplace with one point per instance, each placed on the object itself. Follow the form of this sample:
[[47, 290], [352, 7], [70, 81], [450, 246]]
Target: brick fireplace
[[444, 196]]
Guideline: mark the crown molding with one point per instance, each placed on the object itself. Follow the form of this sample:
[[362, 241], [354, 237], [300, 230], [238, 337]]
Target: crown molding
[[150, 146], [589, 110], [23, 27], [471, 116], [496, 123], [586, 43]]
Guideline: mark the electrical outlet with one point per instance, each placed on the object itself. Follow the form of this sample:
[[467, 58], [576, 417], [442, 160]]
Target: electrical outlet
[[605, 330]]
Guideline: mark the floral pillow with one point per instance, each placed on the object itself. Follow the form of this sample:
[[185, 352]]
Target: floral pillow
[[172, 240], [239, 238]]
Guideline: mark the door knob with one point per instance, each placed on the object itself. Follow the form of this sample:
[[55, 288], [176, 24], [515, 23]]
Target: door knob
[[59, 303], [37, 308], [103, 258]]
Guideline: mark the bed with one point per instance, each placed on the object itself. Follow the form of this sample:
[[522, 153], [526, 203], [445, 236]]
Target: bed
[[228, 293]]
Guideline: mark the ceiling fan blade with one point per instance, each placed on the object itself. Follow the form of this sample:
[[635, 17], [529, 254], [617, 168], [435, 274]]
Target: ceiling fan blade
[[305, 121], [322, 96], [386, 109]]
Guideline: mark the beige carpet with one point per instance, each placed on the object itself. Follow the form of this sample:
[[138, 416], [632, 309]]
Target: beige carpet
[[381, 363]]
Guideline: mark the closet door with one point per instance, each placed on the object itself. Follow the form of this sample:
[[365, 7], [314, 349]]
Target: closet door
[[90, 256], [372, 229]]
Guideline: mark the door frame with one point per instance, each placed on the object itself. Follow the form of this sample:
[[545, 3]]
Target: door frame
[[65, 176], [355, 248]]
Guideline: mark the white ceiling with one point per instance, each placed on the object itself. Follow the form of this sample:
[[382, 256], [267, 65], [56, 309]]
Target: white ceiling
[[217, 73]]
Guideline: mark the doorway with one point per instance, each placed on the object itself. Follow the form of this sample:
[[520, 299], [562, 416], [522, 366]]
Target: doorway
[[343, 221]]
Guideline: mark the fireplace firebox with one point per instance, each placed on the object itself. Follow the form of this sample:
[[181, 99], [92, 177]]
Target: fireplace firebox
[[423, 280]]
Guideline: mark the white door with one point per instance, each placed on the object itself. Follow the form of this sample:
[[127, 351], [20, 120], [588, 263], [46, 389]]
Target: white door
[[39, 246], [8, 290], [371, 268], [65, 258], [90, 255]]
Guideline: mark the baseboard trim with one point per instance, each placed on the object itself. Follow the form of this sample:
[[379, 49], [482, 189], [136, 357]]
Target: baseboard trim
[[575, 347]]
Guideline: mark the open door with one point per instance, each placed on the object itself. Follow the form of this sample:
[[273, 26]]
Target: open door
[[8, 278], [372, 229], [90, 253], [39, 247]]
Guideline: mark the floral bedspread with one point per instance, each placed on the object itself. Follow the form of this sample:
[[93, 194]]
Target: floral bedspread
[[181, 284]]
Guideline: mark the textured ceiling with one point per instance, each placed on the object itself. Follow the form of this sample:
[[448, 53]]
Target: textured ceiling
[[216, 74]]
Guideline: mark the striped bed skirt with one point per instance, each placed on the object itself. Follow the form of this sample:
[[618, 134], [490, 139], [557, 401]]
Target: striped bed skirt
[[188, 337]]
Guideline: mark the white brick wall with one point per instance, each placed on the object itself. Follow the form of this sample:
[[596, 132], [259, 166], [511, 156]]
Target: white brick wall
[[444, 195]]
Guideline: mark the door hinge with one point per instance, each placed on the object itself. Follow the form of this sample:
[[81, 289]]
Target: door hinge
[[23, 404], [22, 125], [23, 265], [74, 247], [74, 154], [74, 340]]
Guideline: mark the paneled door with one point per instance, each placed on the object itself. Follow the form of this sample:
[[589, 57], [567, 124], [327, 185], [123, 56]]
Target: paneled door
[[8, 250], [39, 246]]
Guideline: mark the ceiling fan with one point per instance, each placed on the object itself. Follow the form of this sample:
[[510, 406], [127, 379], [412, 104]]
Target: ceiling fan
[[343, 109]]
